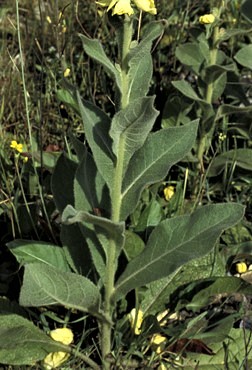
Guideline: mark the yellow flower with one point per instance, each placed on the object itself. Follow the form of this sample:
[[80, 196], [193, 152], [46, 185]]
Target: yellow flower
[[168, 192], [146, 5], [124, 6], [67, 72], [222, 136], [25, 159], [241, 267], [136, 320], [207, 19], [62, 335], [55, 359], [16, 146], [158, 343], [49, 19]]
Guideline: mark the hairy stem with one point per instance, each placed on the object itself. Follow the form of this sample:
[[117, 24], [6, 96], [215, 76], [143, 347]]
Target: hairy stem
[[116, 200], [213, 58], [208, 98]]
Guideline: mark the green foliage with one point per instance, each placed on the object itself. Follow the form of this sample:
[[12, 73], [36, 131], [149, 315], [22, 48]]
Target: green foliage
[[152, 162], [95, 50], [219, 286], [176, 241], [21, 342], [171, 288], [130, 128], [140, 62], [96, 128], [244, 56], [45, 286], [27, 252], [116, 233], [241, 157], [232, 350]]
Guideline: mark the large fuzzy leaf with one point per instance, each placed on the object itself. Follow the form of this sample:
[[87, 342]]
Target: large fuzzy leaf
[[140, 62], [191, 55], [186, 89], [90, 190], [76, 249], [62, 182], [176, 241], [91, 194], [94, 49], [244, 56], [111, 229], [27, 251], [96, 127], [23, 343], [46, 286], [159, 292], [131, 126], [152, 162]]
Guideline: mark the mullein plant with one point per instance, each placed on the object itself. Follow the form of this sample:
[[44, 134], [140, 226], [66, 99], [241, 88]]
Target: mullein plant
[[216, 93], [96, 191]]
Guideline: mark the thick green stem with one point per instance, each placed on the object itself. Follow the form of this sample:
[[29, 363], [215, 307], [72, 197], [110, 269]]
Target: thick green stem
[[213, 59], [127, 38], [111, 265], [208, 98]]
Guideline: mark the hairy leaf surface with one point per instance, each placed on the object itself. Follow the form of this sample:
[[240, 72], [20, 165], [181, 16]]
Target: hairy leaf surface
[[176, 241]]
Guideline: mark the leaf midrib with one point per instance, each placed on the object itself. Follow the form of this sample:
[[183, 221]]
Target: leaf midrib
[[124, 193], [152, 262]]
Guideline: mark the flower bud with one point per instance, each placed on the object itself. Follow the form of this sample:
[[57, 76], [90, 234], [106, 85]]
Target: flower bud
[[168, 192], [207, 19], [136, 320], [241, 267]]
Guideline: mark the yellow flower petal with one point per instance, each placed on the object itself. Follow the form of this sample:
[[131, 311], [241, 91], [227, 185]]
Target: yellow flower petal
[[146, 5], [63, 335], [112, 3], [207, 19], [136, 320], [168, 192], [158, 343], [16, 146], [122, 7], [119, 6], [49, 19], [55, 359], [13, 144], [67, 72], [241, 267], [19, 148]]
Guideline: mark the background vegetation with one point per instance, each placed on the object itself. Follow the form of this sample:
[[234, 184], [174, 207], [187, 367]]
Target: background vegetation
[[35, 110]]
